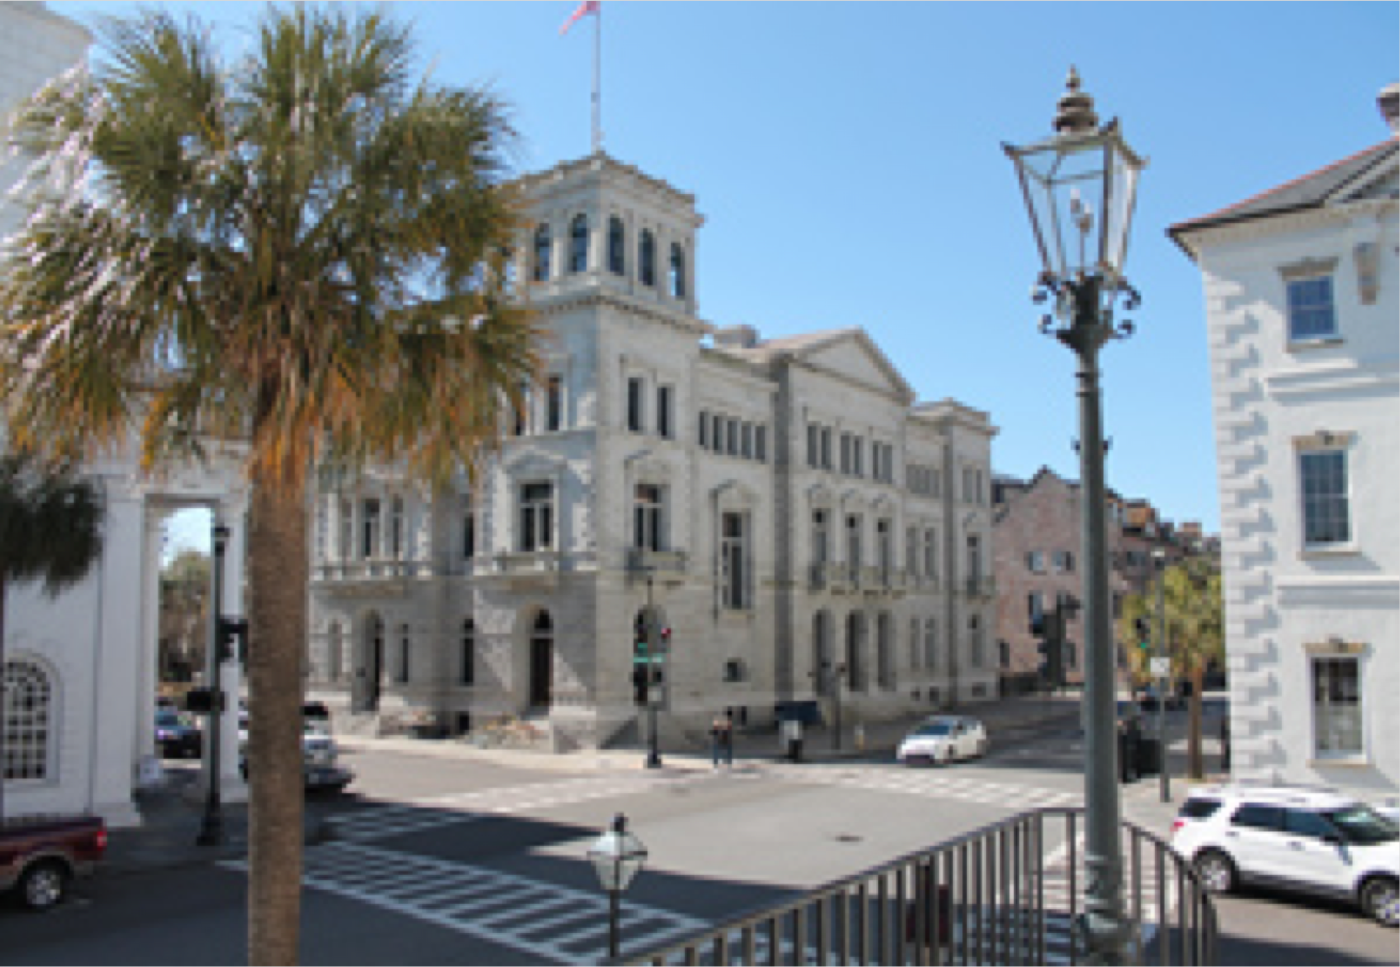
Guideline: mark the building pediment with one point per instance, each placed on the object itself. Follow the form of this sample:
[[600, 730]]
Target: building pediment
[[853, 355]]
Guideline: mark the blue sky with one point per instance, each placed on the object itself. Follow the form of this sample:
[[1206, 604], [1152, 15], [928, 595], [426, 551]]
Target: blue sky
[[847, 159]]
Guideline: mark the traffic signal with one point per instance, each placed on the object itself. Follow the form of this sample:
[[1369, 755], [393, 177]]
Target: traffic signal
[[640, 678], [1144, 632], [204, 701], [666, 638], [227, 632]]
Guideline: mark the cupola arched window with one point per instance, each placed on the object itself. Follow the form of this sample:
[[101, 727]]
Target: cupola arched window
[[543, 244], [617, 246], [647, 258], [677, 277], [578, 244]]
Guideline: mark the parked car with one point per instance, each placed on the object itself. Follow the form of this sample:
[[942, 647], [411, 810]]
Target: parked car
[[39, 858], [942, 739], [1301, 839], [1148, 702], [176, 736], [320, 756]]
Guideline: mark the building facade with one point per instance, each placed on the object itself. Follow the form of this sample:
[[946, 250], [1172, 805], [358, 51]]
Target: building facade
[[799, 523], [1302, 296], [1037, 534]]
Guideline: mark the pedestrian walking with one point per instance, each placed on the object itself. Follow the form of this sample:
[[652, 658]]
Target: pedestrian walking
[[722, 739]]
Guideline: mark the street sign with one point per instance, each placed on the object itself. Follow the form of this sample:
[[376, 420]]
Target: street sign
[[1161, 667]]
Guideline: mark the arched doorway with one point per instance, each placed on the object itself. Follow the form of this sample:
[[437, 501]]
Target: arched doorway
[[541, 661], [369, 670]]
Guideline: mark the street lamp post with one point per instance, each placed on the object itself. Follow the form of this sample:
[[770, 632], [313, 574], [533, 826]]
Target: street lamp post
[[1064, 178], [1159, 560], [211, 832], [617, 856]]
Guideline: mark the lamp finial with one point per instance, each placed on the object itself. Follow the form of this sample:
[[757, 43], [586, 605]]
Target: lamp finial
[[1075, 111]]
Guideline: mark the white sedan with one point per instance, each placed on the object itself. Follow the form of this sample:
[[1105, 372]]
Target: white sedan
[[943, 739]]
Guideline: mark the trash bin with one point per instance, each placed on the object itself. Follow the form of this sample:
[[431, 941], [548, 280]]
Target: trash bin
[[1149, 756], [1128, 745]]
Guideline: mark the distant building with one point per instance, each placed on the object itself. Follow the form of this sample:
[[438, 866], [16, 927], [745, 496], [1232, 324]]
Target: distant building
[[786, 507], [1302, 300], [1036, 535]]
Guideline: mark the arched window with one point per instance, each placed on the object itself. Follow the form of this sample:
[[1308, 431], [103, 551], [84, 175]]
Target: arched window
[[647, 258], [677, 276], [543, 245], [28, 722], [617, 246], [468, 669], [578, 244]]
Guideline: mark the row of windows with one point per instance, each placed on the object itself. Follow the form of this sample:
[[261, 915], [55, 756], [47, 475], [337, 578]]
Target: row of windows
[[578, 254], [375, 541], [974, 487], [852, 671], [851, 454], [732, 437], [1311, 314], [526, 420]]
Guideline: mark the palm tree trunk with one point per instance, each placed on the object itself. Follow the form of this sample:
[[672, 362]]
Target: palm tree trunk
[[277, 635], [4, 591], [1195, 764]]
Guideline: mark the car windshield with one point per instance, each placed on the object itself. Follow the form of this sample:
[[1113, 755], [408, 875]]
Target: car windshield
[[1361, 824], [933, 728]]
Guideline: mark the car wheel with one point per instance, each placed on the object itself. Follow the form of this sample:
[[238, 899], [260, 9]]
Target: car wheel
[[43, 885], [1380, 900], [1216, 871]]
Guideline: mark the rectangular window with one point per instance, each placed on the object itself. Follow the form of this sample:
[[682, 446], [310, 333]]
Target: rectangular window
[[554, 404], [646, 518], [884, 545], [931, 553], [733, 550], [536, 516], [1337, 706], [347, 530], [522, 411], [760, 443], [813, 445], [845, 453], [911, 551], [468, 531], [1326, 514], [664, 396], [1310, 310], [704, 435], [405, 650], [369, 541], [717, 434], [821, 550], [732, 438], [746, 440], [1035, 606], [853, 546], [826, 448], [858, 456], [1035, 562], [634, 404]]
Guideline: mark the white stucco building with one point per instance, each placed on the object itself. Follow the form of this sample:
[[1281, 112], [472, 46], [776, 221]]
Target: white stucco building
[[1303, 318], [785, 503], [80, 670]]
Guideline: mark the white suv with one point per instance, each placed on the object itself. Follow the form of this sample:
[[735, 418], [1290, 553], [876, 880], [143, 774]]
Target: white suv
[[1318, 841]]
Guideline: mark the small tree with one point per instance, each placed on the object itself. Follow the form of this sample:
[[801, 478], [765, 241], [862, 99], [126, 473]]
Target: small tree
[[51, 524], [184, 614], [1195, 625]]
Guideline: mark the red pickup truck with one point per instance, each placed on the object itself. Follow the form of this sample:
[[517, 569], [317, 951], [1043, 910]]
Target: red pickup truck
[[40, 856]]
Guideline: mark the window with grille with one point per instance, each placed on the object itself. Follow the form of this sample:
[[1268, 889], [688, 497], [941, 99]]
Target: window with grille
[[1326, 510], [1337, 706], [578, 244], [646, 518], [1310, 309], [536, 516], [733, 570], [29, 722]]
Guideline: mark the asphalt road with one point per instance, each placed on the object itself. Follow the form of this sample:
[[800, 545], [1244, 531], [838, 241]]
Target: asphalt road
[[438, 861]]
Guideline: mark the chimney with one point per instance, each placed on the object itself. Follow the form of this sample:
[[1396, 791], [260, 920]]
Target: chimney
[[1389, 103], [737, 337]]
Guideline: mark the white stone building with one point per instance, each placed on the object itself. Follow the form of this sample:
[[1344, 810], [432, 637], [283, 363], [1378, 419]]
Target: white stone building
[[1302, 301], [782, 503]]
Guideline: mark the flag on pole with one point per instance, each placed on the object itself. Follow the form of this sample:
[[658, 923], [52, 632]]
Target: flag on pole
[[584, 9]]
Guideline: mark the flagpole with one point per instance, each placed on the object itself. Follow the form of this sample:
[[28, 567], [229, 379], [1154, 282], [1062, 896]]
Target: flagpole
[[598, 80]]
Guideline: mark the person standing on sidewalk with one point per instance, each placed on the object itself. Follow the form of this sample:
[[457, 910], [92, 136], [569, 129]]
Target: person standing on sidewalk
[[722, 739]]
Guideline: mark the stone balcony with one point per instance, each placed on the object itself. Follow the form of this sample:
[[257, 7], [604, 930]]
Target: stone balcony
[[980, 587], [667, 566], [525, 568], [370, 575]]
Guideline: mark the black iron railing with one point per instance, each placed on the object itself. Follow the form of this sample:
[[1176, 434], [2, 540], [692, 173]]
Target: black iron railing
[[1009, 893]]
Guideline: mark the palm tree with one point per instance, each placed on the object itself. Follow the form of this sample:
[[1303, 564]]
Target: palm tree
[[50, 531], [1192, 601], [298, 258]]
